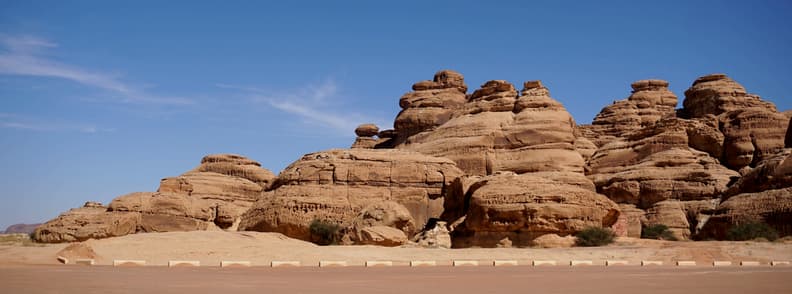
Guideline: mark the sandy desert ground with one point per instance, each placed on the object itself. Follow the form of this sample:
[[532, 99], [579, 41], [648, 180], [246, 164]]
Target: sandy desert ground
[[610, 280], [212, 247], [33, 268]]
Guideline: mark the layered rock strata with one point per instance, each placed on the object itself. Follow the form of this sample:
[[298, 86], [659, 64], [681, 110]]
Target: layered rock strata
[[336, 186]]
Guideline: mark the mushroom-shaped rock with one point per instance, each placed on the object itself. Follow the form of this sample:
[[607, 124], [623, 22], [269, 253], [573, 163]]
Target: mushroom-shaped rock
[[367, 130]]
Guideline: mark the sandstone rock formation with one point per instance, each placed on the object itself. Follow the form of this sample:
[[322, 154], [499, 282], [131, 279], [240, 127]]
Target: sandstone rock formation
[[661, 162], [212, 196], [672, 214], [753, 128], [763, 194], [773, 207], [430, 104], [650, 101], [341, 185], [553, 241], [523, 207], [497, 130], [87, 222], [365, 136], [773, 173]]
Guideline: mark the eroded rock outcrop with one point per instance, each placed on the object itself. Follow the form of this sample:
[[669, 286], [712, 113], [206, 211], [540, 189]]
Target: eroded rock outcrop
[[87, 222], [773, 207], [753, 128], [430, 104], [523, 207], [662, 162], [337, 185], [212, 196], [650, 101], [497, 130]]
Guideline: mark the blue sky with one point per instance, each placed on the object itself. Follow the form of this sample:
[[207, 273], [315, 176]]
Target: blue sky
[[100, 98]]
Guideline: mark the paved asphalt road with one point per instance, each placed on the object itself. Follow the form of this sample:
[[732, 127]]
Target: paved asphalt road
[[441, 279]]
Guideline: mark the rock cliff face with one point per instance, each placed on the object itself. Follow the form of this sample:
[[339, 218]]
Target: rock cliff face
[[499, 130], [524, 207], [753, 128], [496, 167], [649, 102], [212, 196], [430, 104], [338, 185], [763, 194]]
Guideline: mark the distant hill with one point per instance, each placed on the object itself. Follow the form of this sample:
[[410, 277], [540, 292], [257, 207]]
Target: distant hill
[[21, 229]]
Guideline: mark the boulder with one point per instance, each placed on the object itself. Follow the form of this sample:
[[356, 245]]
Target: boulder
[[80, 224], [631, 221], [434, 235], [753, 128], [553, 241], [650, 101], [523, 207], [368, 226], [339, 185], [367, 130], [382, 236], [672, 214]]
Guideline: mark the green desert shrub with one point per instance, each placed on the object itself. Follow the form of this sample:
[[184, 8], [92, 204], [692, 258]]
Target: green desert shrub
[[594, 236], [750, 231], [658, 232], [324, 232]]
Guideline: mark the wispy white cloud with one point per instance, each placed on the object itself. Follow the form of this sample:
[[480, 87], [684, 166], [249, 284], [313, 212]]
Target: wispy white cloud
[[312, 104], [18, 122], [23, 55]]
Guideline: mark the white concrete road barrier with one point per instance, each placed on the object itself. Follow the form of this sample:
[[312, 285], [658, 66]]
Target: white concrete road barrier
[[84, 261], [779, 262], [423, 263], [329, 263], [63, 260], [128, 262], [651, 262], [178, 263], [685, 263], [721, 263], [616, 262], [749, 263], [465, 263], [277, 263], [504, 263], [373, 263], [233, 263], [580, 262], [543, 262]]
